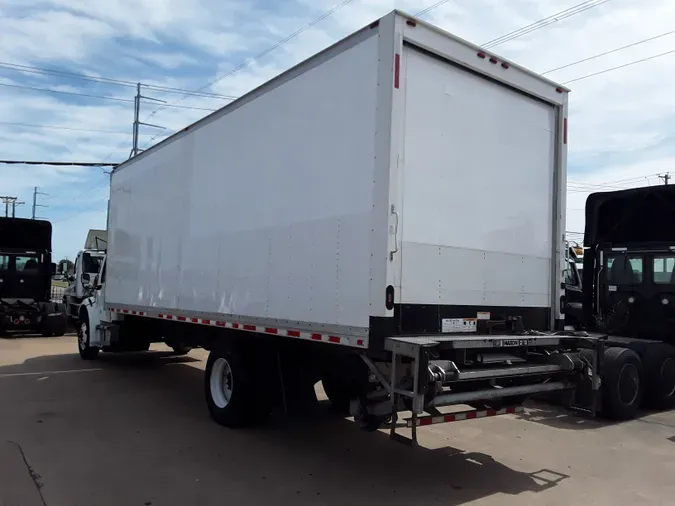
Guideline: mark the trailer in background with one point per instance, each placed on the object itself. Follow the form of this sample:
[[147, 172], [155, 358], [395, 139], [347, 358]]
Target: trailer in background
[[385, 217]]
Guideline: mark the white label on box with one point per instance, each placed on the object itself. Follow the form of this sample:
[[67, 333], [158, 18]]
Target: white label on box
[[612, 288], [449, 325], [483, 315]]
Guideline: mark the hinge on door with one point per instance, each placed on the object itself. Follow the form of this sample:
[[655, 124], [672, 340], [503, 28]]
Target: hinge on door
[[395, 250]]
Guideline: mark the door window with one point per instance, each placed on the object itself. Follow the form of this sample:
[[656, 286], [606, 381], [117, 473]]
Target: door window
[[664, 269], [624, 269], [571, 278], [27, 264]]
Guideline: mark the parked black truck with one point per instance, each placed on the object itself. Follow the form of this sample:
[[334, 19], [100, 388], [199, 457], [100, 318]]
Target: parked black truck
[[628, 291], [26, 271]]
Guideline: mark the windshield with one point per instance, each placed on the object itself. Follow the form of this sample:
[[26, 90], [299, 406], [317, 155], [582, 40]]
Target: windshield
[[91, 263]]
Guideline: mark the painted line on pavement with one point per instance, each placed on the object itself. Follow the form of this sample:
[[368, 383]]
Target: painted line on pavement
[[47, 373]]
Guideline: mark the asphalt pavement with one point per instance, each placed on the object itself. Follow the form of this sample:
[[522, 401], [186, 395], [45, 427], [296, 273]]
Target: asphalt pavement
[[134, 430]]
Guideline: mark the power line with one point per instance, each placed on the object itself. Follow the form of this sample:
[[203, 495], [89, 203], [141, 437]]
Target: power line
[[609, 52], [554, 18], [620, 66], [61, 92], [104, 80], [73, 164], [167, 89], [55, 127], [431, 8], [630, 179], [261, 54], [99, 97], [77, 197]]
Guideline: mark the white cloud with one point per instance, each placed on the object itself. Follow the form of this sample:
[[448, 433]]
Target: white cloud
[[621, 123]]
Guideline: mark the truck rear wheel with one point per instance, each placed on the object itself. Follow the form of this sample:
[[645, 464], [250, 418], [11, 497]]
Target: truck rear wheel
[[659, 361], [54, 327], [229, 386], [623, 383], [343, 380], [180, 349], [87, 352]]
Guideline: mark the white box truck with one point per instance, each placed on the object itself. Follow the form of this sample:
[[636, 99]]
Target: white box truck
[[386, 217]]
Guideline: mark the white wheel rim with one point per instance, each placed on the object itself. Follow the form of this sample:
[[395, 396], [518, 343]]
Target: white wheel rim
[[221, 383], [82, 336]]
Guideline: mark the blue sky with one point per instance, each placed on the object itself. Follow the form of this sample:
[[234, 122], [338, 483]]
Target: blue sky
[[621, 122]]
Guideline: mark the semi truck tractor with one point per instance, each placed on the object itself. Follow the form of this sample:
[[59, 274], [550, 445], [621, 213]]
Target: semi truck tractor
[[629, 287], [26, 271], [387, 217]]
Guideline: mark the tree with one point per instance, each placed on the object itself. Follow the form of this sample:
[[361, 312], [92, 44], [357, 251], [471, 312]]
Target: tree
[[65, 266]]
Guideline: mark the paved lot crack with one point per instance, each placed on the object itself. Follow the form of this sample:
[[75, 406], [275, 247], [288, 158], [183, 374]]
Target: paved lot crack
[[34, 476]]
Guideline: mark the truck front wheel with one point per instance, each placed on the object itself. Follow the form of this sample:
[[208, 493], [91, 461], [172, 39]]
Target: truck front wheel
[[87, 352], [229, 386]]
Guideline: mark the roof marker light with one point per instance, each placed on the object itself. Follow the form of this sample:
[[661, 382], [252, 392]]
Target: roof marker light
[[480, 55]]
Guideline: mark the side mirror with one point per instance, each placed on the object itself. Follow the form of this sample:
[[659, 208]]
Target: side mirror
[[85, 278], [53, 269]]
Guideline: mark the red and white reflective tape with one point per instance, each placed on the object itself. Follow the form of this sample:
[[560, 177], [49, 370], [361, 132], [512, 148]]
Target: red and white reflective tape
[[358, 342], [129, 311], [463, 415]]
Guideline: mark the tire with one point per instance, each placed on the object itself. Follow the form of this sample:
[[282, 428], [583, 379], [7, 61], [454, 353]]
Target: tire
[[337, 394], [52, 328], [347, 379], [181, 349], [59, 328], [229, 386], [659, 363], [83, 334], [622, 384], [46, 330]]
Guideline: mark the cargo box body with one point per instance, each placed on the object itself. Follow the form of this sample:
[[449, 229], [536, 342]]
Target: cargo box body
[[397, 179]]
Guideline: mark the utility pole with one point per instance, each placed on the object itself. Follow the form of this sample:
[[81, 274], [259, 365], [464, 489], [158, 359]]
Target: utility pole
[[665, 177], [14, 204], [13, 201], [35, 204], [137, 120]]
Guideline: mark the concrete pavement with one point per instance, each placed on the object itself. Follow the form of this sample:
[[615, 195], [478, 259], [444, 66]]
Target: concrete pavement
[[134, 430]]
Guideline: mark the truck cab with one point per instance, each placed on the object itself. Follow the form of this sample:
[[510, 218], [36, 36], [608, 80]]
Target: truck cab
[[635, 290], [26, 272], [87, 265], [629, 281], [629, 274]]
